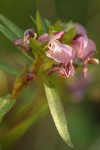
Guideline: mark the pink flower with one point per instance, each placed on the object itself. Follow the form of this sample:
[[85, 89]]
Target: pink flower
[[23, 42], [80, 29], [65, 70], [56, 36], [59, 52], [23, 45], [44, 38], [84, 48], [79, 52]]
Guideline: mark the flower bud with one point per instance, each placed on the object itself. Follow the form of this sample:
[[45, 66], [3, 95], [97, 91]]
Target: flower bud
[[28, 34]]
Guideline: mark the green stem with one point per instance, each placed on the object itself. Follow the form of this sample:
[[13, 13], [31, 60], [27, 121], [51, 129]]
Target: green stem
[[26, 78]]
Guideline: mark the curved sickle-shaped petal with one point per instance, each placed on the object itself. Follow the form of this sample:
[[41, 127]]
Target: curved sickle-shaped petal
[[44, 38], [60, 52]]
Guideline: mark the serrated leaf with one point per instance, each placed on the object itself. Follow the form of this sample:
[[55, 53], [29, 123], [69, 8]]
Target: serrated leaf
[[5, 105], [6, 32], [39, 23], [8, 69], [68, 36], [11, 26], [57, 113]]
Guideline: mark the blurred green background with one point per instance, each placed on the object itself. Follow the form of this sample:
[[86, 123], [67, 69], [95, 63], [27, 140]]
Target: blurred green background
[[83, 114]]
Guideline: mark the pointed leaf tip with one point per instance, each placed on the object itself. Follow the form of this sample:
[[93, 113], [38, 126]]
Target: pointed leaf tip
[[57, 113], [39, 23]]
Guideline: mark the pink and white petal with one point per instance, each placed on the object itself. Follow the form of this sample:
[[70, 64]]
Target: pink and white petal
[[60, 52], [89, 50], [49, 53], [80, 43], [44, 38], [67, 49], [80, 29], [57, 36]]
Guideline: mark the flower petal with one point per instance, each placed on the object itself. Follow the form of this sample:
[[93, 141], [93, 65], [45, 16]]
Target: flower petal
[[28, 34], [18, 41], [57, 36], [93, 61], [44, 38], [80, 29], [89, 50], [80, 43], [60, 52], [67, 70]]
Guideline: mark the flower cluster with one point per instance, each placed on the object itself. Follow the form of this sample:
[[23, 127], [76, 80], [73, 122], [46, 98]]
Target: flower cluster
[[68, 56]]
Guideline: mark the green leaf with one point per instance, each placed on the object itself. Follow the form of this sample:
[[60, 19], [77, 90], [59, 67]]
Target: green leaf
[[34, 21], [57, 26], [39, 23], [51, 29], [5, 105], [67, 26], [26, 54], [68, 36], [57, 112], [36, 47], [11, 31], [44, 25], [11, 26], [8, 69], [48, 23], [6, 32], [3, 83]]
